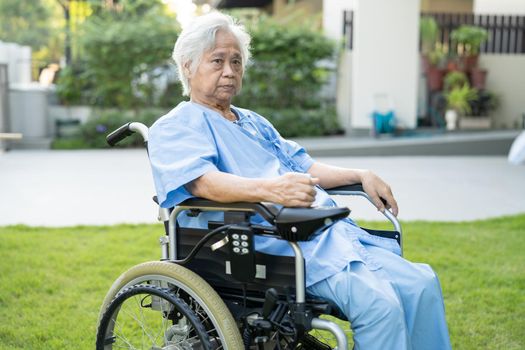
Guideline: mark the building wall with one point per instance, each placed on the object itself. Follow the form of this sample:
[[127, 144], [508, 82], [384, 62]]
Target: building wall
[[344, 89], [18, 59], [499, 7], [506, 75], [506, 79], [447, 6], [385, 59], [333, 17]]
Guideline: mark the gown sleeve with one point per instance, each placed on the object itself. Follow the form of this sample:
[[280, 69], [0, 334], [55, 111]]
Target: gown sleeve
[[180, 151]]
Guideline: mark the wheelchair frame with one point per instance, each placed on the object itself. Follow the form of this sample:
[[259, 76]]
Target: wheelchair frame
[[169, 242]]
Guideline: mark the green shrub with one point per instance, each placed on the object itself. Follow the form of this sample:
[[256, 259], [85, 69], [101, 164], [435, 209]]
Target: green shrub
[[428, 29], [71, 86], [291, 122], [123, 53], [286, 70], [455, 79], [296, 122], [471, 37], [93, 133]]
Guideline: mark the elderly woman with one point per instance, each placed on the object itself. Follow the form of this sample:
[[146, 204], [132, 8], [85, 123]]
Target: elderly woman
[[211, 149]]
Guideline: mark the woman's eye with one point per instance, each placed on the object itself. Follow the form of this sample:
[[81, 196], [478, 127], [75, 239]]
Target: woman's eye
[[217, 61]]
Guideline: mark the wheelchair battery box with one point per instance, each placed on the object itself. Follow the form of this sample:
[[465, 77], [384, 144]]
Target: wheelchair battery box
[[242, 253]]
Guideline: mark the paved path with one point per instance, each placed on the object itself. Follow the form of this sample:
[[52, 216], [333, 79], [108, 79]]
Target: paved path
[[64, 188]]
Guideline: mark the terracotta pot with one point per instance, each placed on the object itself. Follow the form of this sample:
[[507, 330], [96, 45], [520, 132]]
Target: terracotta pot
[[453, 65], [435, 78], [470, 62], [478, 78]]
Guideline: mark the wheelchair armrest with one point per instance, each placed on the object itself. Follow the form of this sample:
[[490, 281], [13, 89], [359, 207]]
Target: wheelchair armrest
[[355, 189], [346, 188], [267, 210], [293, 224]]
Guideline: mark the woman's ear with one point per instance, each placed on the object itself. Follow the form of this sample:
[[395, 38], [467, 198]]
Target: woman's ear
[[187, 70]]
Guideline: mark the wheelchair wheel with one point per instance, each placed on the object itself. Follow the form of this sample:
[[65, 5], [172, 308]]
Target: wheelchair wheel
[[198, 295], [145, 316]]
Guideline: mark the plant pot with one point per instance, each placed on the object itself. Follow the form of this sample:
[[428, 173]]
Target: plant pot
[[435, 78], [478, 78], [451, 118], [475, 123], [453, 65], [470, 62]]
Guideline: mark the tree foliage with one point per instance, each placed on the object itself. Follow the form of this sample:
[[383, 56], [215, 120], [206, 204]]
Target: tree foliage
[[33, 23], [122, 53], [286, 71]]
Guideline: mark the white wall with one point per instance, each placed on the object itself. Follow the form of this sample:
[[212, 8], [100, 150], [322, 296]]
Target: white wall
[[385, 58], [344, 89], [506, 75], [18, 59], [500, 7], [506, 78], [333, 17]]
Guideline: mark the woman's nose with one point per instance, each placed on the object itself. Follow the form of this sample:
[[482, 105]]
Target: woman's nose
[[227, 70]]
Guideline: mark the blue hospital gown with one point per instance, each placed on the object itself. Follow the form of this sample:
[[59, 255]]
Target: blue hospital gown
[[390, 302], [192, 140]]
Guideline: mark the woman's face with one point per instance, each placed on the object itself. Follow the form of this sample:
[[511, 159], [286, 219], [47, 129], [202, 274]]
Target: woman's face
[[219, 75]]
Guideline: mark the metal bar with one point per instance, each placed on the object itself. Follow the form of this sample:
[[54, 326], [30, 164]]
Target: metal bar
[[351, 31], [172, 233], [387, 213], [340, 336], [501, 31], [141, 129], [300, 294]]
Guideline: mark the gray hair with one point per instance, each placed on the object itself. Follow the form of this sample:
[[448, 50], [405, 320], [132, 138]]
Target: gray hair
[[199, 37]]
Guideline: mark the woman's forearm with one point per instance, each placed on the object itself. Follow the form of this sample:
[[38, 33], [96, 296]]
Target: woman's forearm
[[227, 188], [331, 176], [291, 189]]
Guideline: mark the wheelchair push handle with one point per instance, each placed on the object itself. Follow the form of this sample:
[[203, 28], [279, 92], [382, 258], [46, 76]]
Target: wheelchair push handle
[[126, 130]]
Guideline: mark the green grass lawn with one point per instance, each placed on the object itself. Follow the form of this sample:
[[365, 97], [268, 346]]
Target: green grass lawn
[[52, 281]]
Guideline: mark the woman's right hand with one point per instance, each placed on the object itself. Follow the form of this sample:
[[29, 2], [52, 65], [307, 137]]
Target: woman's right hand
[[292, 189]]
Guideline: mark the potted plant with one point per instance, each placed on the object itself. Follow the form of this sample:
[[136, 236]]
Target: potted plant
[[453, 62], [481, 111], [470, 39], [428, 30], [455, 79], [435, 72], [458, 104], [478, 77]]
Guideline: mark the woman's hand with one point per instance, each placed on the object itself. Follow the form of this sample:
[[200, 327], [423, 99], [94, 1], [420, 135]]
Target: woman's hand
[[292, 189], [376, 188]]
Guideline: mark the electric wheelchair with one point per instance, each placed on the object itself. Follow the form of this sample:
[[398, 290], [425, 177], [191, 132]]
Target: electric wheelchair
[[212, 290]]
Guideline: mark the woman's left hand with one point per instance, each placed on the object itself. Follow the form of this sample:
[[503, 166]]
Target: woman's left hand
[[377, 189]]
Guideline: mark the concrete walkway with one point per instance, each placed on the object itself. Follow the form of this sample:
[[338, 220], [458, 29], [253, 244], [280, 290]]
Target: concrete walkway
[[65, 188]]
